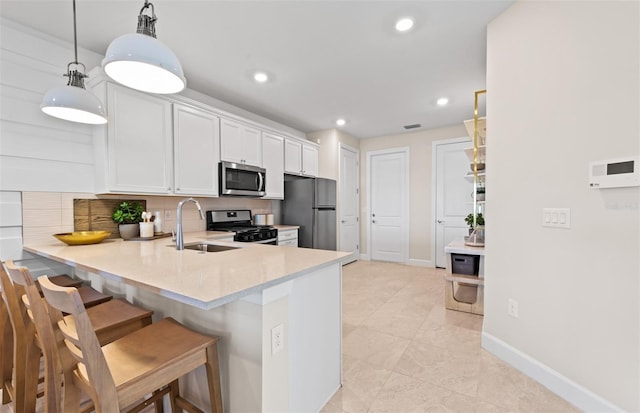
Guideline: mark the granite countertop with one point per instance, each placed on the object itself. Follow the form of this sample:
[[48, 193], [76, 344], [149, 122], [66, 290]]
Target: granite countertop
[[204, 280]]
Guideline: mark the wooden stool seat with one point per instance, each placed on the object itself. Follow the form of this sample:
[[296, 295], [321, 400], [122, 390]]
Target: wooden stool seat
[[63, 280], [147, 361], [91, 297], [170, 351], [114, 319]]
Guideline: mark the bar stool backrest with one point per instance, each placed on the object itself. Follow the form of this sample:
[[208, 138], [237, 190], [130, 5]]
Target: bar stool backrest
[[82, 342], [49, 342]]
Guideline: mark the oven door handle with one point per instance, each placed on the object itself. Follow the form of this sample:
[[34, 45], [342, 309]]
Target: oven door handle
[[265, 241]]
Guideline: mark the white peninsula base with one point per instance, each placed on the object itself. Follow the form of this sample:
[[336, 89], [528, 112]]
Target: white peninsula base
[[301, 377]]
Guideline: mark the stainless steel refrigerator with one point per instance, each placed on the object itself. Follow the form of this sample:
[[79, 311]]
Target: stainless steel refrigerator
[[311, 204]]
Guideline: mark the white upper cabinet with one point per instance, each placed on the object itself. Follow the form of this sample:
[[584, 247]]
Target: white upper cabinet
[[196, 147], [300, 158], [240, 143], [273, 162], [134, 150], [309, 160], [292, 157]]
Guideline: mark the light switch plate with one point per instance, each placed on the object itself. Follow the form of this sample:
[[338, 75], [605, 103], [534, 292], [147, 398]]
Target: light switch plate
[[556, 217]]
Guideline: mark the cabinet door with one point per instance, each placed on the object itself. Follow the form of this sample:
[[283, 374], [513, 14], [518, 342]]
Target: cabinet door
[[139, 144], [231, 137], [309, 160], [292, 157], [196, 143], [251, 146], [273, 162]]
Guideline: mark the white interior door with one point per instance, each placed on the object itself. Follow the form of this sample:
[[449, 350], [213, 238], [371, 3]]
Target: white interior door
[[388, 199], [349, 205], [453, 195]]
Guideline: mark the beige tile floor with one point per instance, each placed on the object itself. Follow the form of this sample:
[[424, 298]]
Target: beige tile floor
[[403, 352]]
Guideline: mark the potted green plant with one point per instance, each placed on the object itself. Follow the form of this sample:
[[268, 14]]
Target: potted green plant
[[128, 216], [479, 221]]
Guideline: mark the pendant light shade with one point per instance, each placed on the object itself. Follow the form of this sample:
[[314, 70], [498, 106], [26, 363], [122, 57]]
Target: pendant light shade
[[142, 62], [73, 102]]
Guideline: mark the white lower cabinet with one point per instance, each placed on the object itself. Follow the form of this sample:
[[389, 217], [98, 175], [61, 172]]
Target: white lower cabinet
[[288, 238], [273, 162]]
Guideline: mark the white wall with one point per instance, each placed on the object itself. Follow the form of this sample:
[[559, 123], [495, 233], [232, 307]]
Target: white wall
[[329, 150], [419, 144], [563, 90]]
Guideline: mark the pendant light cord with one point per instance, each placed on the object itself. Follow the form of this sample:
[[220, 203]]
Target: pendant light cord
[[75, 35], [76, 77]]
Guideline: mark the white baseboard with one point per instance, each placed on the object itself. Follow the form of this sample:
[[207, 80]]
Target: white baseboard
[[365, 257], [569, 390], [420, 263]]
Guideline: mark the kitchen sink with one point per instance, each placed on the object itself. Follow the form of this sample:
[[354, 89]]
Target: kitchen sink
[[203, 247]]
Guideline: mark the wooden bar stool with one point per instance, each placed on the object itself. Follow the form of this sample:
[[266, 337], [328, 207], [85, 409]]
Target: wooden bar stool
[[128, 369], [6, 349], [112, 319]]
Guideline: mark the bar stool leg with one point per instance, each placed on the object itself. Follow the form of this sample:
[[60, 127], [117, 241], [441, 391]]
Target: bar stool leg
[[213, 378], [175, 392], [6, 353]]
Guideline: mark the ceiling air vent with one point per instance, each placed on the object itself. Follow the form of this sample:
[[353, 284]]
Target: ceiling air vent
[[415, 125]]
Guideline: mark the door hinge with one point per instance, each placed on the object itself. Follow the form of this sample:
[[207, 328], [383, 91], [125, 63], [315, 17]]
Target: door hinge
[[357, 191], [357, 247]]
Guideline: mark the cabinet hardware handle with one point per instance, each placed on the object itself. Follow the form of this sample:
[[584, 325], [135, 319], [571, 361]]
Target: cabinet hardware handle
[[373, 221], [373, 215], [343, 221]]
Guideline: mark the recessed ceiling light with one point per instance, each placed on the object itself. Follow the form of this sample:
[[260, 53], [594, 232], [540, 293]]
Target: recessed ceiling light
[[260, 77], [404, 24], [442, 101], [341, 122]]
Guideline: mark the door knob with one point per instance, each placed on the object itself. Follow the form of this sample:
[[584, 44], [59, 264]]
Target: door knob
[[440, 221]]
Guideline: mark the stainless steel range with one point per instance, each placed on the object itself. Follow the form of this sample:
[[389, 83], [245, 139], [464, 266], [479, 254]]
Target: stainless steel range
[[239, 221]]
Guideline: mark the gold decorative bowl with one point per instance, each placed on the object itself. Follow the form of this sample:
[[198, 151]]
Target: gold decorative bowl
[[82, 237]]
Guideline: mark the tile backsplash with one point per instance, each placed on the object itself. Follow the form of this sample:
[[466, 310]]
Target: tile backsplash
[[48, 213]]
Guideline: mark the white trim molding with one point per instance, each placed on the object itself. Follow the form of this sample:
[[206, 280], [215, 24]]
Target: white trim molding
[[420, 263], [564, 387]]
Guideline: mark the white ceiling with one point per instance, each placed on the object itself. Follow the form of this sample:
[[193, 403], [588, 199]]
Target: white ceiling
[[326, 59]]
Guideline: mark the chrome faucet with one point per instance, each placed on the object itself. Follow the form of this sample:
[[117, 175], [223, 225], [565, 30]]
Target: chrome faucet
[[179, 237]]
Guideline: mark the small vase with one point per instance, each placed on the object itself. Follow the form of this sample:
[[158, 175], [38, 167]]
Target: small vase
[[146, 229], [128, 231]]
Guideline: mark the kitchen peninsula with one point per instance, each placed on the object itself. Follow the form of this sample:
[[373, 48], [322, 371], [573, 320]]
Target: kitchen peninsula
[[240, 295]]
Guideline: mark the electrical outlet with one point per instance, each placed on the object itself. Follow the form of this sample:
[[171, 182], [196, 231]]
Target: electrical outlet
[[277, 339], [512, 308]]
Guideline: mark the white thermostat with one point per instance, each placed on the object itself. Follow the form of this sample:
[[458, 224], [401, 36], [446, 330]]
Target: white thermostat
[[615, 173]]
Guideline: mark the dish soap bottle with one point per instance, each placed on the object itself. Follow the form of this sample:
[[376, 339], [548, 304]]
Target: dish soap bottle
[[157, 223]]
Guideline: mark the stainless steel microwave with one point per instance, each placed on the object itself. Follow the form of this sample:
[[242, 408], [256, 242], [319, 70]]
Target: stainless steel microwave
[[242, 180]]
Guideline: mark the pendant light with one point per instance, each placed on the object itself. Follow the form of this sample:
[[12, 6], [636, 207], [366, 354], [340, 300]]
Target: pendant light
[[142, 62], [73, 102]]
